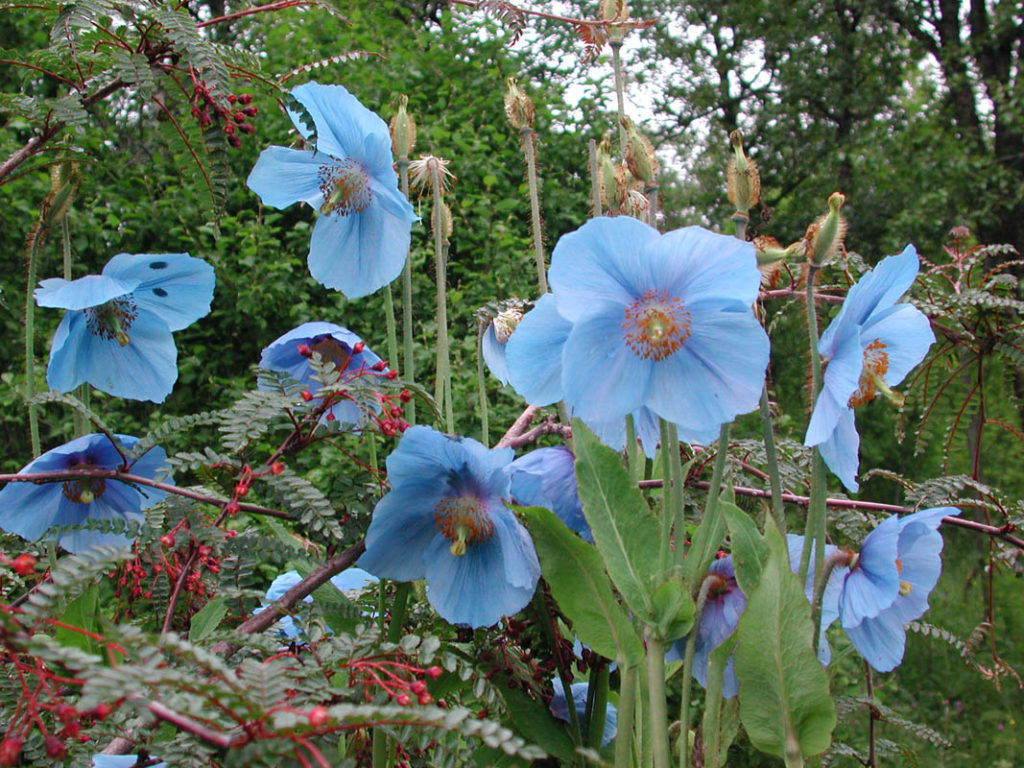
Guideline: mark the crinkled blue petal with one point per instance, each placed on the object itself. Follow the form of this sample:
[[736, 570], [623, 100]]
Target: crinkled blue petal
[[560, 708], [342, 122], [175, 287], [601, 262], [841, 451], [284, 176], [907, 335], [873, 583], [840, 382], [144, 369], [385, 192], [119, 761], [534, 353], [352, 579], [88, 291], [602, 378], [494, 355], [920, 546], [358, 253], [546, 477], [880, 640], [833, 590], [694, 263]]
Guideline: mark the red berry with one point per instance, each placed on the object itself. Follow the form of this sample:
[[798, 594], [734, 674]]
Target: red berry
[[418, 687], [24, 565], [304, 350], [358, 347], [229, 128], [306, 395], [205, 551], [396, 412], [331, 417], [167, 540], [391, 375], [10, 751], [426, 698], [232, 507], [245, 98], [277, 468], [234, 141], [434, 672], [232, 98], [380, 365], [405, 395], [246, 128], [318, 717], [239, 117], [55, 748], [251, 111], [242, 490], [404, 700]]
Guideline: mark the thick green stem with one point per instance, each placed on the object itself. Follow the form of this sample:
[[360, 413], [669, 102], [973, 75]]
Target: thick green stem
[[616, 46], [634, 452], [772, 461], [713, 714], [30, 345], [595, 180], [443, 383], [658, 714], [481, 388], [684, 704], [652, 204], [816, 513], [627, 705], [408, 362], [530, 151], [389, 322], [597, 704], [715, 489], [672, 490]]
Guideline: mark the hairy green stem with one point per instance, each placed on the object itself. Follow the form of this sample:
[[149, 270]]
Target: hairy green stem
[[816, 512], [616, 46], [530, 151], [443, 383], [408, 362], [627, 705], [713, 714], [658, 715], [597, 705], [772, 461], [684, 704], [634, 452], [30, 344], [595, 180], [652, 204], [389, 322], [672, 490], [481, 384]]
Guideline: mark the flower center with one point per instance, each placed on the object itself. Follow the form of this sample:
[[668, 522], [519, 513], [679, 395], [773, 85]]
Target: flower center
[[655, 325], [345, 186], [463, 521], [112, 319], [872, 374], [331, 350], [84, 490], [506, 322]]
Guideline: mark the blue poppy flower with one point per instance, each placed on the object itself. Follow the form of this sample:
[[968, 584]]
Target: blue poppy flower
[[834, 588], [560, 708], [494, 339], [361, 238], [291, 354], [721, 615], [120, 761], [659, 321], [445, 520], [870, 346], [347, 582], [546, 477], [30, 510], [116, 334]]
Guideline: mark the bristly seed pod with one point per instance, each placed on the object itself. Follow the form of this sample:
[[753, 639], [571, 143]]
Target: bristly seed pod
[[615, 10], [403, 130], [426, 169], [744, 180], [639, 153], [518, 105], [824, 239]]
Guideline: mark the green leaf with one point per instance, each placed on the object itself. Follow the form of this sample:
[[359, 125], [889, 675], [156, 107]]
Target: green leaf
[[673, 608], [749, 550], [207, 619], [705, 542], [785, 703], [578, 582], [536, 724], [81, 612], [625, 531]]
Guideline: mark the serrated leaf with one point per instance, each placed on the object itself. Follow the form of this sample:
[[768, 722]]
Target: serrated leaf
[[579, 583], [785, 703], [206, 619], [81, 613], [749, 550]]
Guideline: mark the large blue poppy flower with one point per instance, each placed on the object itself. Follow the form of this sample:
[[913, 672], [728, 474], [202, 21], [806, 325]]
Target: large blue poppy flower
[[662, 322], [560, 708], [291, 354], [116, 334], [886, 584], [871, 345], [725, 603], [445, 520], [361, 239], [30, 510], [347, 582], [546, 477]]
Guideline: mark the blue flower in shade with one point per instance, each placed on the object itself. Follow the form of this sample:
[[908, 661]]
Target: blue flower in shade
[[721, 615], [886, 584], [116, 334], [662, 322], [830, 601], [120, 761], [560, 708], [445, 520], [361, 238], [546, 477], [30, 510], [291, 354], [870, 346], [347, 582]]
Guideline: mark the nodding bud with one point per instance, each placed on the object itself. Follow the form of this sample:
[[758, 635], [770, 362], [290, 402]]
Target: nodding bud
[[615, 10], [639, 153], [518, 105], [744, 180], [64, 182], [770, 258], [824, 238], [403, 130]]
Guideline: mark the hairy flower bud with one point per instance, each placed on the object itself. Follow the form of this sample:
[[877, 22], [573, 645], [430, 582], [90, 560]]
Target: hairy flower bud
[[518, 105], [403, 130], [824, 238], [639, 153], [744, 180], [615, 10]]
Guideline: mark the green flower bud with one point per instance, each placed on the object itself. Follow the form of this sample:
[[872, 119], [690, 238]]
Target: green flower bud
[[518, 105], [403, 130], [824, 238], [639, 153], [744, 180]]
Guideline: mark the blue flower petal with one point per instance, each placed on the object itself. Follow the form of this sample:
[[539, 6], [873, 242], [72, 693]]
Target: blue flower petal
[[546, 477], [175, 287], [342, 122], [603, 378], [284, 176], [560, 708], [873, 583], [119, 761], [401, 530], [841, 451], [534, 353], [85, 292], [833, 590], [920, 545], [907, 335], [600, 263], [494, 354], [384, 189], [359, 253], [880, 640], [840, 382], [144, 369], [352, 579], [695, 263]]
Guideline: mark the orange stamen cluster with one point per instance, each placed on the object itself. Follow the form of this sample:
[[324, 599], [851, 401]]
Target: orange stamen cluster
[[656, 326], [345, 186], [463, 521], [876, 365]]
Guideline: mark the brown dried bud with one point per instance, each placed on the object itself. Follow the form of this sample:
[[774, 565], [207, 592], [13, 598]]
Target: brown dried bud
[[518, 105], [744, 180]]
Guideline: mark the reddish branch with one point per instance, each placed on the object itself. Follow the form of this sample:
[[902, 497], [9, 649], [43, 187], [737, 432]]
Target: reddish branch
[[627, 24]]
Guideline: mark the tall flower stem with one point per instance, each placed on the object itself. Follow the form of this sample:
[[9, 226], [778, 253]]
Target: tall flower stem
[[715, 487], [443, 384], [616, 46], [658, 713], [672, 490], [389, 322], [684, 703], [627, 705], [595, 181], [30, 343], [597, 704], [530, 152], [481, 388], [816, 512], [772, 461], [408, 361]]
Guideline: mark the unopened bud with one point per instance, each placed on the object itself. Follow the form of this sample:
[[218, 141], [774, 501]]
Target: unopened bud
[[744, 180], [639, 153], [824, 238], [518, 105], [615, 10], [403, 130], [636, 204], [505, 322]]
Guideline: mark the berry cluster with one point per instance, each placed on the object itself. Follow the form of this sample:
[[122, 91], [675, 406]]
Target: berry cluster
[[399, 680], [139, 576], [23, 564], [390, 421], [235, 115]]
